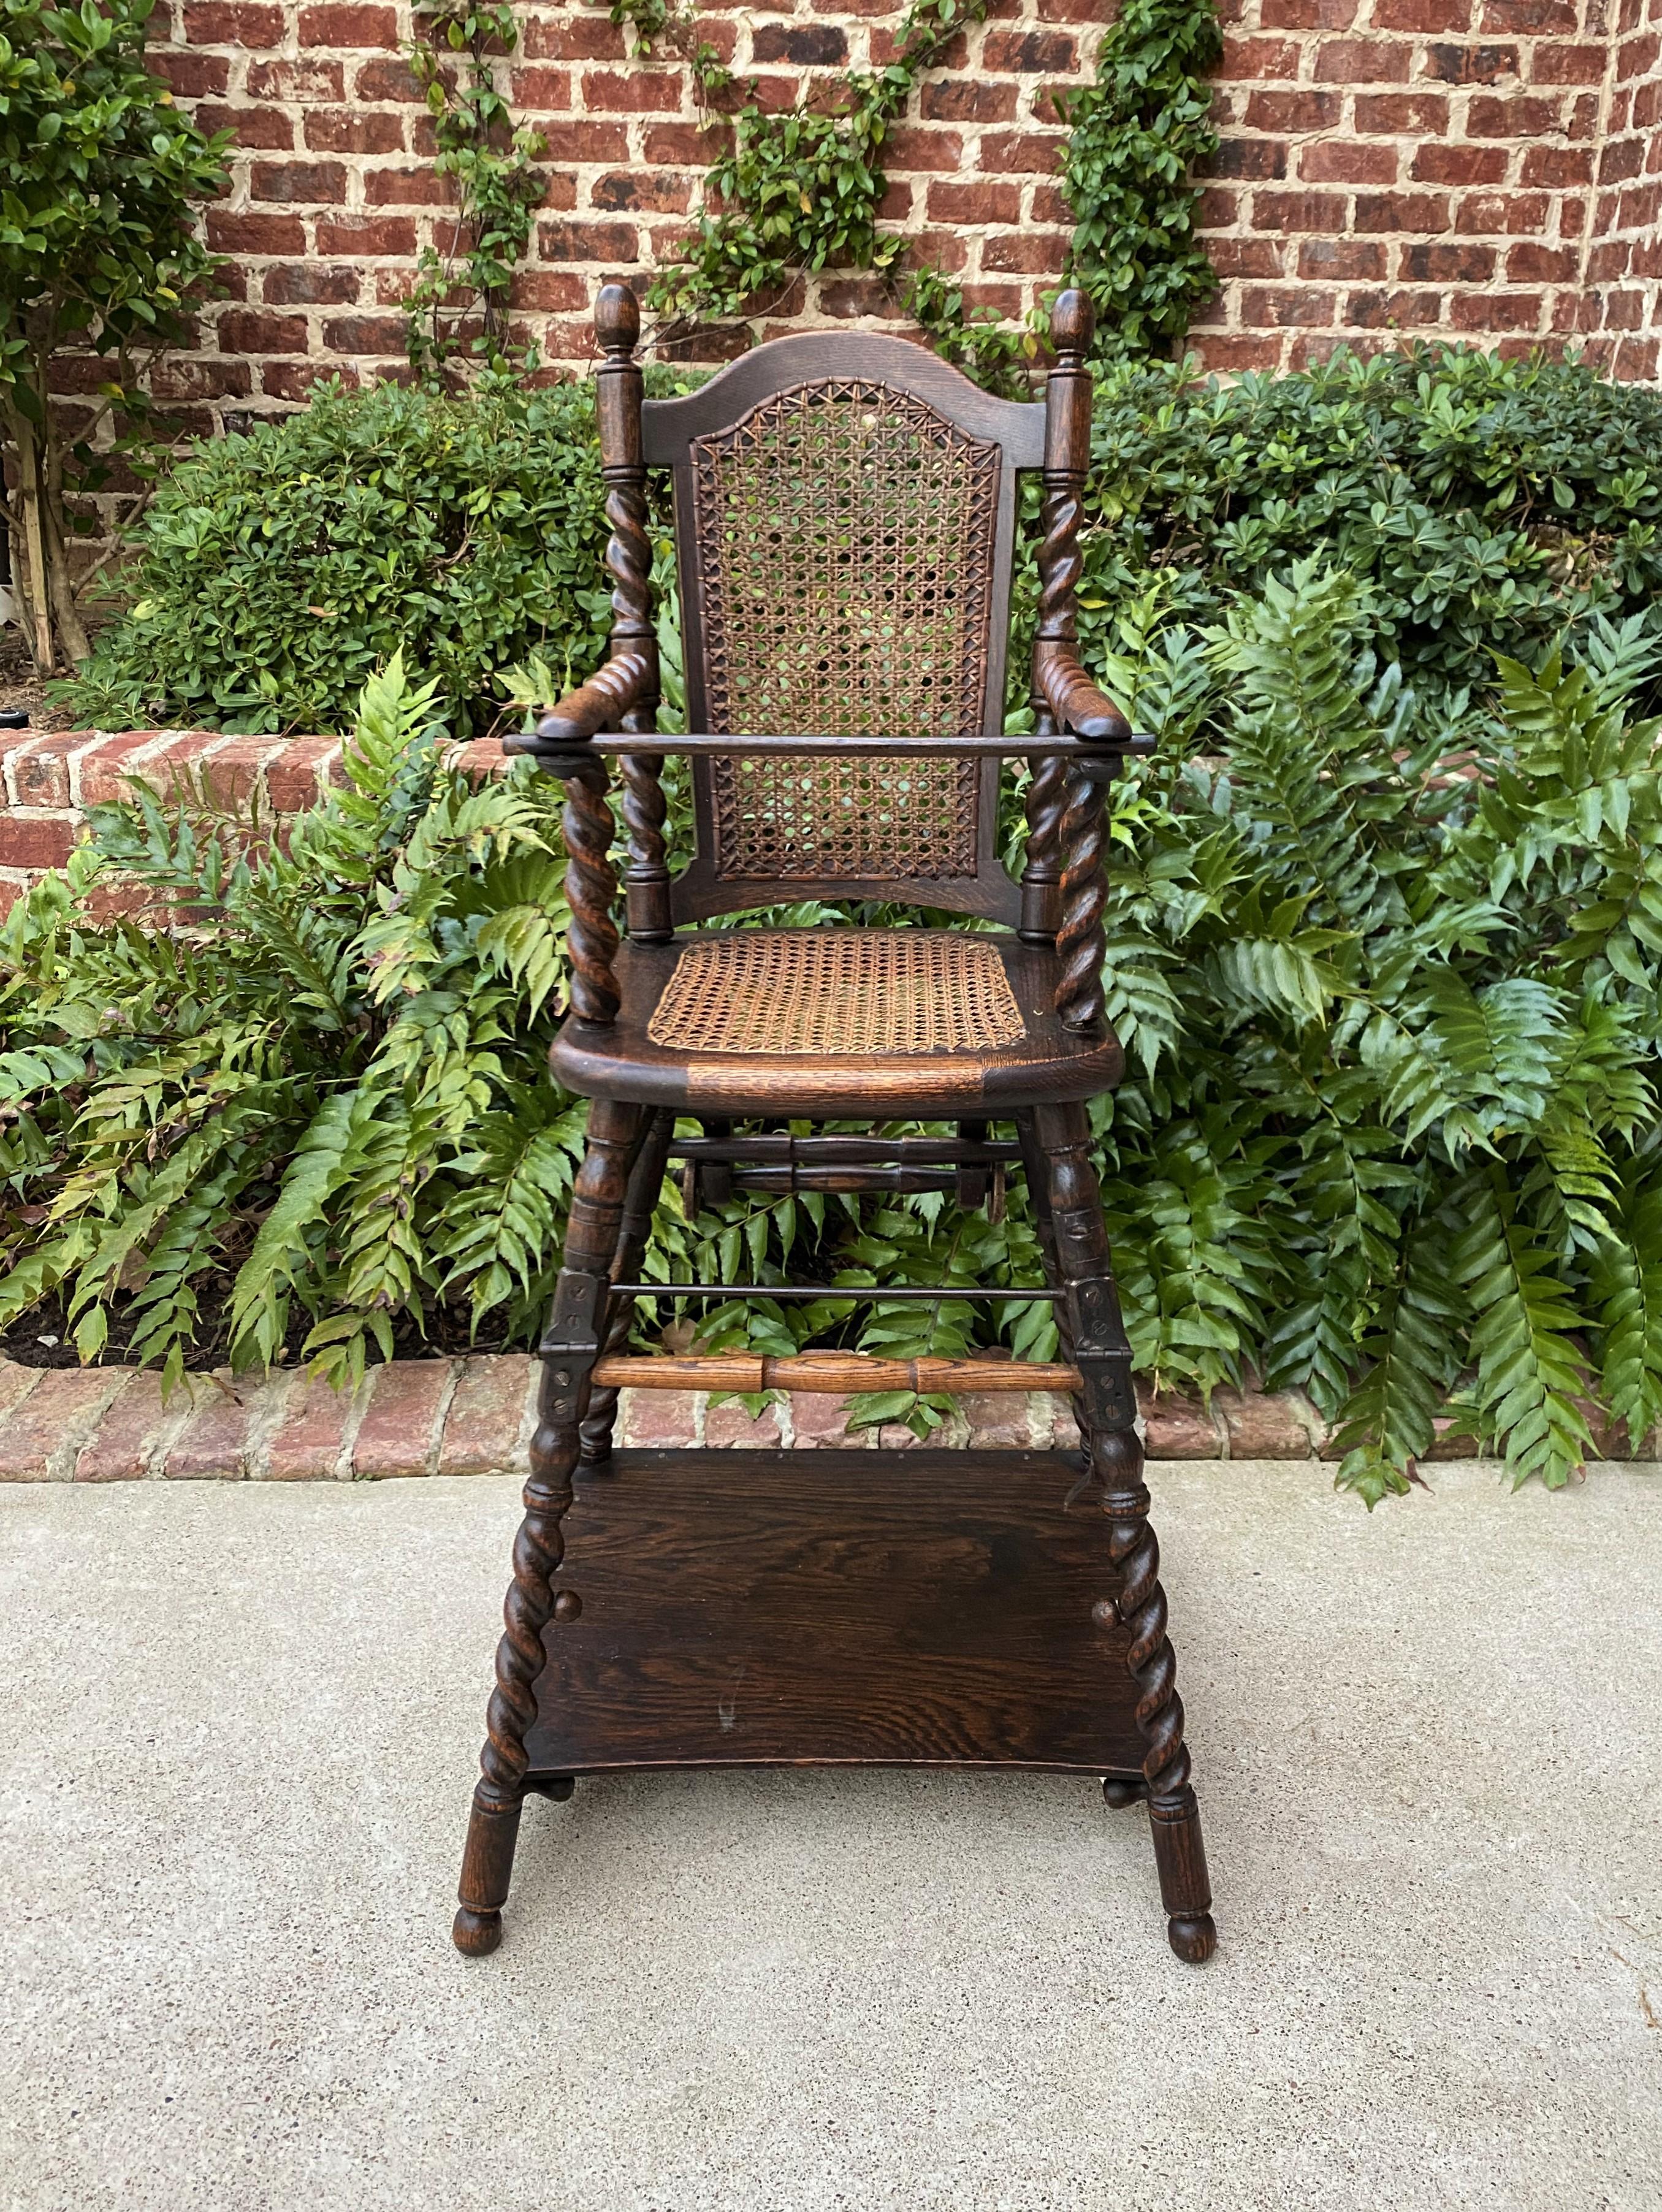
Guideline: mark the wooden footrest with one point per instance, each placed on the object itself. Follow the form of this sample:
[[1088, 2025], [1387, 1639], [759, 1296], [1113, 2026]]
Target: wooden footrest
[[759, 1608], [835, 1373]]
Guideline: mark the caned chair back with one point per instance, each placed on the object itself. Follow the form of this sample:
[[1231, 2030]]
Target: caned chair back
[[845, 513]]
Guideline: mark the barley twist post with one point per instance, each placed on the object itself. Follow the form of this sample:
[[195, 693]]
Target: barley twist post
[[629, 565], [1047, 802], [569, 1352], [645, 1181], [1080, 942], [1107, 1412], [590, 889], [1067, 795]]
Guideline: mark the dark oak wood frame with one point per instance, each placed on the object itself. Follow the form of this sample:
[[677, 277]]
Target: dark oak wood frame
[[997, 1609]]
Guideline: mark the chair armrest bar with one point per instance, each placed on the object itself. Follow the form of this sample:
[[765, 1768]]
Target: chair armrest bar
[[1014, 746]]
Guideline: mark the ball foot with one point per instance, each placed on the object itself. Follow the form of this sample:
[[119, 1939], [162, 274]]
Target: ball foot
[[1118, 1791], [1193, 1937], [476, 1933]]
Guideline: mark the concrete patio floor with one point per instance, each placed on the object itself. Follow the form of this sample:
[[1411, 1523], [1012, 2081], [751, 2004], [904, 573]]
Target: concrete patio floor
[[240, 1731]]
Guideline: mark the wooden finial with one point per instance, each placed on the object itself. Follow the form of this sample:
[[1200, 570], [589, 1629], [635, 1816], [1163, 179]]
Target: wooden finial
[[617, 320], [1072, 325]]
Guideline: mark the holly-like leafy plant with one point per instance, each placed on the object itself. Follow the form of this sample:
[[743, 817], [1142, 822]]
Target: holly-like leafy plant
[[98, 252]]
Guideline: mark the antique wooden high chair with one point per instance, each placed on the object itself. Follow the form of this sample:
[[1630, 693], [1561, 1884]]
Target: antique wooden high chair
[[844, 509]]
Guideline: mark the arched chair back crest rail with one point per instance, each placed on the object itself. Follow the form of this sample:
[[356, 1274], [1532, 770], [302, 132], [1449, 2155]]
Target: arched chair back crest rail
[[844, 514]]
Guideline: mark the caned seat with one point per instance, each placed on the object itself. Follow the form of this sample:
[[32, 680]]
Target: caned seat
[[845, 515], [955, 1022]]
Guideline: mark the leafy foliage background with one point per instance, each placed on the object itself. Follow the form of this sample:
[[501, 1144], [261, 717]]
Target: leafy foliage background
[[1384, 948], [277, 571], [99, 249], [1489, 502]]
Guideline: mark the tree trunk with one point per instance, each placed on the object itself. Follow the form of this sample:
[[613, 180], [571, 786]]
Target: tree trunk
[[41, 567], [60, 584], [29, 562]]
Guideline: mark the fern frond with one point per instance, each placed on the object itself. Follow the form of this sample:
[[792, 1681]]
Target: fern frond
[[1477, 1064], [392, 716], [501, 1228], [1628, 1283], [1528, 1368], [1299, 717], [190, 1244], [1312, 1344], [1194, 1257], [287, 1250], [1620, 657], [1385, 1424], [1143, 1011]]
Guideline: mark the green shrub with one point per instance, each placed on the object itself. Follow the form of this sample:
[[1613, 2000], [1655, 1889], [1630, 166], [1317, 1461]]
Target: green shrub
[[1388, 983], [1391, 975], [1489, 504], [99, 253], [277, 571]]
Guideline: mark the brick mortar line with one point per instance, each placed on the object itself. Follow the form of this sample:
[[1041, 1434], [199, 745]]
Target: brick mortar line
[[45, 798]]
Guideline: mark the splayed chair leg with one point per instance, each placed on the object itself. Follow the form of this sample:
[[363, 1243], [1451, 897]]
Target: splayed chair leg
[[569, 1350], [645, 1181], [1106, 1412]]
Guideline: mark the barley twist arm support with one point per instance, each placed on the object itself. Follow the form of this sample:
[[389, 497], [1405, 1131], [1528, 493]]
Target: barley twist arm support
[[1059, 685], [1080, 941], [590, 889], [1047, 802], [646, 878]]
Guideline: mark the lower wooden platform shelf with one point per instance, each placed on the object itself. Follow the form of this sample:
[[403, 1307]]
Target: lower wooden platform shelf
[[837, 1607]]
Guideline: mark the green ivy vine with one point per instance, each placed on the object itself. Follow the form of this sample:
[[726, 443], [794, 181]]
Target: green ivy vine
[[456, 313], [1138, 136], [800, 190]]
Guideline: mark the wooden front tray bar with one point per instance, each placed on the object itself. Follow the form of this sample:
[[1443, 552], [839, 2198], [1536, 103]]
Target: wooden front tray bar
[[828, 1372]]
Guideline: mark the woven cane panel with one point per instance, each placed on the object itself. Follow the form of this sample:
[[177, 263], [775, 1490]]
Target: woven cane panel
[[845, 539], [854, 818], [833, 992]]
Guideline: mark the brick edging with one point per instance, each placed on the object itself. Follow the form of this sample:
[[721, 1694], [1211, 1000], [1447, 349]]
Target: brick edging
[[49, 778], [473, 1416]]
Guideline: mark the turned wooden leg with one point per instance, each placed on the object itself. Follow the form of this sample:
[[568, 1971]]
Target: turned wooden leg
[[1106, 1410], [645, 1181], [1036, 1169], [569, 1350]]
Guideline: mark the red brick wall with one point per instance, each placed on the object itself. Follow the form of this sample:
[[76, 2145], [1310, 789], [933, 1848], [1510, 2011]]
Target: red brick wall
[[1625, 261], [1472, 169], [49, 778]]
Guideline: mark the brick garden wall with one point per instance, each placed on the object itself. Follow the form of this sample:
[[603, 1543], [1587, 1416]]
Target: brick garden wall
[[1484, 169], [1625, 260]]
